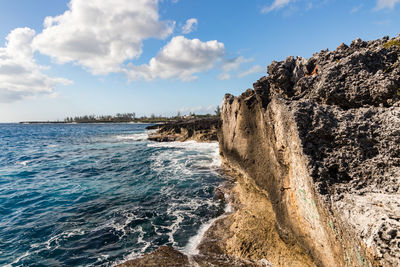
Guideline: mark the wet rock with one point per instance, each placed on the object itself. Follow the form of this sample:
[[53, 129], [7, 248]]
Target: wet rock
[[169, 257], [219, 194], [163, 257]]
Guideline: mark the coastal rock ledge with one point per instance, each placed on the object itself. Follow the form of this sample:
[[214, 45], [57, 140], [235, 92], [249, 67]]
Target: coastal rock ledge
[[201, 130], [320, 137]]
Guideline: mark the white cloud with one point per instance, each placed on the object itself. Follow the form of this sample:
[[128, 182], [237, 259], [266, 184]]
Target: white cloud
[[181, 58], [356, 9], [224, 76], [190, 26], [197, 110], [381, 4], [254, 69], [20, 76], [101, 35], [234, 63], [277, 4]]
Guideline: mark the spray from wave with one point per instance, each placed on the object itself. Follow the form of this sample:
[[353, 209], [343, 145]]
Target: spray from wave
[[100, 194]]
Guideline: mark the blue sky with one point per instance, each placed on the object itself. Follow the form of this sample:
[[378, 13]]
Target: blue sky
[[161, 57]]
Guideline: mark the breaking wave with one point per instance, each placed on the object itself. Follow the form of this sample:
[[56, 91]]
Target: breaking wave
[[96, 195]]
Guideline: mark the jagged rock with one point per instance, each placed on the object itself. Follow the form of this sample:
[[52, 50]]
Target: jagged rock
[[366, 73], [321, 136], [202, 130], [164, 257], [169, 257]]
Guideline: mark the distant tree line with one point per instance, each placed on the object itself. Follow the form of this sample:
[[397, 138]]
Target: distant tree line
[[124, 117], [131, 117]]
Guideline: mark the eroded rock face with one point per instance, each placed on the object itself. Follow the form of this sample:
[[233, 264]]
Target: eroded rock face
[[366, 73], [202, 130], [321, 136], [248, 231]]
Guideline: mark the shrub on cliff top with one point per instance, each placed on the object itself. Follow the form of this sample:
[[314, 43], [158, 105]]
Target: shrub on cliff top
[[392, 43]]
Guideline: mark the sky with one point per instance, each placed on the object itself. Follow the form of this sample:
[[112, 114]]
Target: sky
[[65, 58]]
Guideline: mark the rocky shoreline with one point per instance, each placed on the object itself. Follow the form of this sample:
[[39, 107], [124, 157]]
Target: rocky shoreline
[[211, 251], [314, 151], [201, 130]]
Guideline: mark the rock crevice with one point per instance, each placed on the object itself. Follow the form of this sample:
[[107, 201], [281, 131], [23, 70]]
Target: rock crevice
[[321, 137]]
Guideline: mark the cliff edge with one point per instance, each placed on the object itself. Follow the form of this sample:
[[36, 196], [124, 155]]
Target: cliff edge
[[321, 138]]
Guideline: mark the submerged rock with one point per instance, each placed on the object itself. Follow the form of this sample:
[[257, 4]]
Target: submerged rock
[[321, 136]]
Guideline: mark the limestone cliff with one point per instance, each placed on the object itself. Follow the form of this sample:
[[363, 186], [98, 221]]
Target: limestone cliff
[[321, 138]]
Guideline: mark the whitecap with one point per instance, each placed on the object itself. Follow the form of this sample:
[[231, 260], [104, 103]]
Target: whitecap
[[175, 226], [135, 137], [186, 159], [24, 163], [52, 146], [141, 239], [192, 145], [194, 241], [135, 252], [121, 227], [53, 242], [26, 254]]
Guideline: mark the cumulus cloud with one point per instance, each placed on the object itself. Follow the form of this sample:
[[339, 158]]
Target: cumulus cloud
[[190, 26], [234, 63], [181, 58], [254, 69], [20, 75], [101, 35], [277, 4], [381, 4]]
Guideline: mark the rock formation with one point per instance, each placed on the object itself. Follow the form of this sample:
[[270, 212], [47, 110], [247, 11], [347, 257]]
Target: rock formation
[[202, 130], [169, 257], [321, 138]]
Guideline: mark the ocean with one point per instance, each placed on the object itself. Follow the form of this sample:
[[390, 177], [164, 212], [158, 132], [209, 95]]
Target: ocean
[[100, 194]]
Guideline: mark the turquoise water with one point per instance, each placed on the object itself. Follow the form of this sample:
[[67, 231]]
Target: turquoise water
[[98, 194]]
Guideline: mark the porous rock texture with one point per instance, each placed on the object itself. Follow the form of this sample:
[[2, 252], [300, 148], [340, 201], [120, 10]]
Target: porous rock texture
[[169, 257], [201, 129], [321, 136]]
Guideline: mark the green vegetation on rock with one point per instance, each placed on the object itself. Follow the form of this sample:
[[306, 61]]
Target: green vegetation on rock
[[392, 43]]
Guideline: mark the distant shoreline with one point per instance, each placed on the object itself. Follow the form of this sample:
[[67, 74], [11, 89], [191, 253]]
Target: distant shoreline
[[133, 121], [108, 122]]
